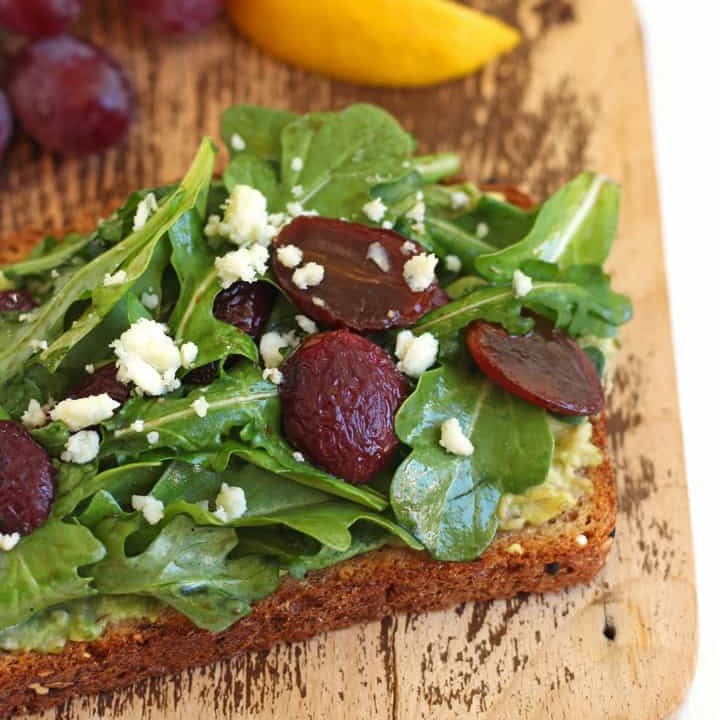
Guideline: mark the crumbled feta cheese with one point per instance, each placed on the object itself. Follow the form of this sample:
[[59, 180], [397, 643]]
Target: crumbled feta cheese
[[273, 375], [453, 264], [290, 256], [271, 343], [277, 220], [481, 230], [82, 447], [153, 437], [419, 271], [294, 209], [417, 211], [200, 406], [24, 317], [150, 300], [54, 274], [387, 224], [147, 356], [306, 324], [318, 301], [9, 541], [244, 264], [34, 416], [298, 456], [188, 354], [378, 254], [230, 502], [38, 344], [117, 278], [245, 218], [145, 208], [522, 283], [297, 191], [152, 509], [309, 275], [138, 426], [375, 210], [408, 248], [581, 540], [296, 164], [459, 199], [416, 354], [453, 439], [89, 368], [79, 413], [515, 549], [237, 143]]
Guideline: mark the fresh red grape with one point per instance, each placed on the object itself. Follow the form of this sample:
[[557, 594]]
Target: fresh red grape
[[176, 16], [5, 123], [70, 96], [38, 18]]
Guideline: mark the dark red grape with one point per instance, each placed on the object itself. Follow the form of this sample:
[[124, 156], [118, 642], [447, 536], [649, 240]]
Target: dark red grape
[[16, 301], [5, 123], [38, 18], [340, 393], [176, 16], [70, 96], [544, 367], [247, 306], [103, 380], [27, 480]]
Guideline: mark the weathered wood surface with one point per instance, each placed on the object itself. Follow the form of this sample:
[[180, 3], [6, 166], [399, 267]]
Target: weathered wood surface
[[573, 96]]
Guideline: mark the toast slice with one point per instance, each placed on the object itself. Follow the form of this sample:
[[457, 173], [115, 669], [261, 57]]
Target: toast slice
[[566, 551]]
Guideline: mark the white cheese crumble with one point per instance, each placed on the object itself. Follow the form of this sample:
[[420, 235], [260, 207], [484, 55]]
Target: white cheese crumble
[[117, 278], [34, 416], [271, 343], [230, 502], [294, 209], [419, 271], [245, 218], [9, 541], [145, 208], [152, 509], [309, 275], [83, 412], [201, 406], [298, 456], [297, 191], [150, 300], [375, 210], [237, 142], [277, 219], [153, 437], [459, 199], [581, 540], [296, 164], [306, 324], [273, 375], [89, 368], [416, 354], [417, 211], [378, 254], [38, 344], [522, 284], [453, 439], [408, 248], [138, 426], [82, 447], [244, 264], [290, 256], [453, 264], [188, 354], [25, 317], [481, 230], [147, 356], [387, 224], [54, 273], [318, 301]]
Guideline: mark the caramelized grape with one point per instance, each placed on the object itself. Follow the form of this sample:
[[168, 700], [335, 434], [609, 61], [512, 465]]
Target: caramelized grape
[[103, 380], [16, 301], [70, 96], [38, 18], [544, 367], [176, 16]]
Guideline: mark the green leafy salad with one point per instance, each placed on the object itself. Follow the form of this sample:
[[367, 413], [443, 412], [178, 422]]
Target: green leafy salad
[[167, 476]]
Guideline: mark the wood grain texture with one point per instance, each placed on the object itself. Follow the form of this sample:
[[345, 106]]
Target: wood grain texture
[[573, 96]]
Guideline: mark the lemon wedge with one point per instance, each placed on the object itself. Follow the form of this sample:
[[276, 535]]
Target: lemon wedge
[[376, 42]]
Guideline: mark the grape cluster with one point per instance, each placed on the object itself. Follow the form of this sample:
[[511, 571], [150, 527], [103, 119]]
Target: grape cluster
[[67, 94]]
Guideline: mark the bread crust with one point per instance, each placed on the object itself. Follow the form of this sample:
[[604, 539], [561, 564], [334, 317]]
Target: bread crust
[[369, 587]]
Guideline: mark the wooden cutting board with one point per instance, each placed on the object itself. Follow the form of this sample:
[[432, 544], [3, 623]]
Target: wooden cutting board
[[573, 96]]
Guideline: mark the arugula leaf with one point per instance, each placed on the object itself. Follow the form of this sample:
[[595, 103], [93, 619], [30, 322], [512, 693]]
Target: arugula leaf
[[29, 582], [576, 226], [433, 168], [449, 501], [343, 156], [55, 255], [258, 127], [188, 568], [192, 319], [36, 383]]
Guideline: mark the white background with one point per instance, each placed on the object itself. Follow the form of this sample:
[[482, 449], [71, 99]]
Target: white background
[[682, 40]]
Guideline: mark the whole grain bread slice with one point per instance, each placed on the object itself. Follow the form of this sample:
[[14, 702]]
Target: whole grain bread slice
[[568, 550]]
